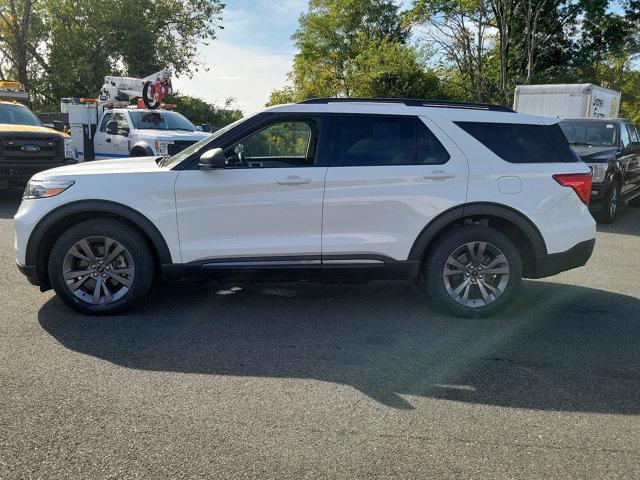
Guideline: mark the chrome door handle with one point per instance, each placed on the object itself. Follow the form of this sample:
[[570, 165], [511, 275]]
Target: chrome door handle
[[108, 140], [294, 180], [439, 175]]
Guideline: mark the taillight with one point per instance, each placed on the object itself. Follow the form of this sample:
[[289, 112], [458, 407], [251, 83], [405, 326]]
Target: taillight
[[580, 182]]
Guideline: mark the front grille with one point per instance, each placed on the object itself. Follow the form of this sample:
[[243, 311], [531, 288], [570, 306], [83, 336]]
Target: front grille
[[31, 150], [178, 146]]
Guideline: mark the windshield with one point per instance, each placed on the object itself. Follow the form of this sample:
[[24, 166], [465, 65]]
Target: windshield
[[160, 121], [18, 115], [187, 152], [595, 134]]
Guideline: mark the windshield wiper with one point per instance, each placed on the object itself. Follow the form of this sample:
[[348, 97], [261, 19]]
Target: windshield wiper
[[582, 144]]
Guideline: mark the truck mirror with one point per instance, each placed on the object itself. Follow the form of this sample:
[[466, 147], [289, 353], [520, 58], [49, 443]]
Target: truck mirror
[[213, 159], [205, 127], [58, 125], [112, 127]]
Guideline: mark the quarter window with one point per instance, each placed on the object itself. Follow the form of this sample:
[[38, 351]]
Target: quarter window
[[386, 141], [522, 143], [282, 144]]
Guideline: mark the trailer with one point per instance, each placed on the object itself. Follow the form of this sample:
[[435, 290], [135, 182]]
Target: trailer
[[584, 100]]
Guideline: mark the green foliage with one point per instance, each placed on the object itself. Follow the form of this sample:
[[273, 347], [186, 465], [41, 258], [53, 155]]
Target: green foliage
[[355, 48], [68, 46], [200, 111]]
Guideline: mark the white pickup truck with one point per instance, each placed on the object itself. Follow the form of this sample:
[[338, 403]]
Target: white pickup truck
[[131, 132]]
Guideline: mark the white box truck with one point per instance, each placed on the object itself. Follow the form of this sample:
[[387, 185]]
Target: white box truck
[[580, 100]]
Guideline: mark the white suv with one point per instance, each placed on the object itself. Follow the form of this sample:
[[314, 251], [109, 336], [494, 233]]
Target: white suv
[[465, 198]]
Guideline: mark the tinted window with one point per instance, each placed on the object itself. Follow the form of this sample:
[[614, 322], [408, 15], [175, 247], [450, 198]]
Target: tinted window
[[380, 141], [521, 143], [590, 133], [160, 120], [282, 144]]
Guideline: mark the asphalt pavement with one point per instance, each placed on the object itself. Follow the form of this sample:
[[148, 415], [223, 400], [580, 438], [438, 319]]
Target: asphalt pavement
[[324, 381]]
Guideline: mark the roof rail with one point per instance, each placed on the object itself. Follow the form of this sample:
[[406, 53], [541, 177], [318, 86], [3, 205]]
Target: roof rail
[[414, 102]]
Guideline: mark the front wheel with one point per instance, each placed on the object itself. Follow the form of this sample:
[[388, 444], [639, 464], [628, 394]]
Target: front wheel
[[610, 209], [473, 271], [100, 267]]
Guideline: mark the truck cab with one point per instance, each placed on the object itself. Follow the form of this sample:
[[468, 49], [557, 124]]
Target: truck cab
[[137, 132], [27, 146]]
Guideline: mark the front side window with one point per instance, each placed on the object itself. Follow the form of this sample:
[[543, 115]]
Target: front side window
[[624, 136], [106, 119], [282, 144], [522, 143], [122, 121], [386, 141], [633, 135]]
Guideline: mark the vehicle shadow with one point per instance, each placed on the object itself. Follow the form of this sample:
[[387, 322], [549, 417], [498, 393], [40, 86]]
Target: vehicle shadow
[[559, 347], [9, 203], [627, 222]]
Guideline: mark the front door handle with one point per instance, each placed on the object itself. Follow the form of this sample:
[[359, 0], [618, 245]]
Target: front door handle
[[108, 140], [293, 180]]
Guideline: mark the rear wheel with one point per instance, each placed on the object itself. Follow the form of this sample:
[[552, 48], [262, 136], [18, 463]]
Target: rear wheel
[[100, 267], [473, 271]]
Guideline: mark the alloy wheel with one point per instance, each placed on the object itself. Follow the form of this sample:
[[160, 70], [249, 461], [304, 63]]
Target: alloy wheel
[[98, 270], [476, 274]]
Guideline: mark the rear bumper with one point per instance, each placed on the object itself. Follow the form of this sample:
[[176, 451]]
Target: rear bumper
[[552, 264]]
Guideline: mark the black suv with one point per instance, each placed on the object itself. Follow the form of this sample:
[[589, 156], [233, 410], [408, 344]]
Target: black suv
[[611, 147]]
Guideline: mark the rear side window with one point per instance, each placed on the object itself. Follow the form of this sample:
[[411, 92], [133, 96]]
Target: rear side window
[[385, 141], [522, 143]]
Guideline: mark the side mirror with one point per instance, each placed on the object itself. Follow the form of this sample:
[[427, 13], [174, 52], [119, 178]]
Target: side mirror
[[58, 125], [205, 127], [112, 127], [213, 159]]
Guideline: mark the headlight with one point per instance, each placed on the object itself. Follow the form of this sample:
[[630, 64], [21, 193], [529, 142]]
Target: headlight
[[599, 171], [45, 188], [69, 148], [162, 147]]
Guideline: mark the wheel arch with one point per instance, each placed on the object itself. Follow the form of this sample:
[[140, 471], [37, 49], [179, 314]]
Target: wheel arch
[[47, 230], [143, 147], [520, 230]]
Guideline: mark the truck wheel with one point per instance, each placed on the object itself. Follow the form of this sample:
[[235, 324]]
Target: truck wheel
[[100, 267], [610, 208], [473, 271]]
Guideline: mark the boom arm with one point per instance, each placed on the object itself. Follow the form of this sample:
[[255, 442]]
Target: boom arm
[[152, 89]]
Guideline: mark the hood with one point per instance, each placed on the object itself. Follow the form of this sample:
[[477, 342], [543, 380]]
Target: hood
[[12, 127], [101, 167], [590, 154], [170, 135]]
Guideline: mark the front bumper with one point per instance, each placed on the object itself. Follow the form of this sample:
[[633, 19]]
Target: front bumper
[[552, 264]]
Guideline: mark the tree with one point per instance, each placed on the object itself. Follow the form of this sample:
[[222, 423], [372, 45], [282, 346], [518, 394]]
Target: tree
[[65, 47], [200, 111], [355, 48]]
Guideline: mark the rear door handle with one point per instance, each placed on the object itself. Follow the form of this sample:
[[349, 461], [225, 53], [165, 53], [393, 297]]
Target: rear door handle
[[293, 180]]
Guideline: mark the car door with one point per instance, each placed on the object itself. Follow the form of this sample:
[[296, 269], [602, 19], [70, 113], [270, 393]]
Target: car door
[[389, 176], [265, 208], [113, 146], [633, 158]]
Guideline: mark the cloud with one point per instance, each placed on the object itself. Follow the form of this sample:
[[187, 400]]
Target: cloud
[[248, 74]]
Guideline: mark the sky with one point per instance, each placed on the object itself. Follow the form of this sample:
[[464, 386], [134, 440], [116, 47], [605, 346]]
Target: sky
[[250, 57]]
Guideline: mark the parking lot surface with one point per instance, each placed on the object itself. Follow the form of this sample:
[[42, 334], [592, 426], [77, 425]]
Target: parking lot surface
[[325, 381]]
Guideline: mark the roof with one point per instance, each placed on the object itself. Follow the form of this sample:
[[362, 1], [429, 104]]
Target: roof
[[451, 112]]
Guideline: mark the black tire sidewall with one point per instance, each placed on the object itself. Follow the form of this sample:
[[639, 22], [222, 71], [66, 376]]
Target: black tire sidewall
[[447, 244], [123, 234]]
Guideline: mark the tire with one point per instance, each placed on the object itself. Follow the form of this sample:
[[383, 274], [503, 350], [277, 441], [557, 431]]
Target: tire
[[442, 277], [117, 280], [610, 208]]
